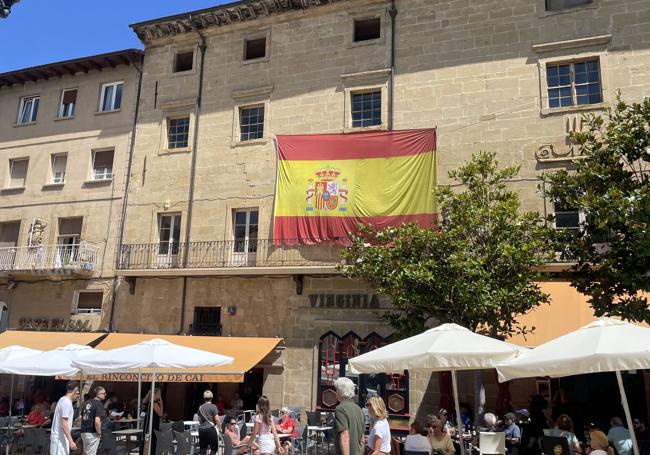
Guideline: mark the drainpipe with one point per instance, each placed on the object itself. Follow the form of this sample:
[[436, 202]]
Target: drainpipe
[[190, 198], [392, 11], [120, 236]]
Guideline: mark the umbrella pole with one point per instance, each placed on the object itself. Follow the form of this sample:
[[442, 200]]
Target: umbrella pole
[[151, 398], [11, 405], [626, 408], [454, 384], [137, 418]]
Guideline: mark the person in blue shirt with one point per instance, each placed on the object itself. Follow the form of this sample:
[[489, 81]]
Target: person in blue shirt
[[512, 431], [620, 436]]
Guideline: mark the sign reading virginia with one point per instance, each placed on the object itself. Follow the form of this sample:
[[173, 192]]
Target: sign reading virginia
[[328, 184]]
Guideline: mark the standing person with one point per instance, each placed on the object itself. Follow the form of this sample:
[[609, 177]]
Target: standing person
[[208, 424], [157, 414], [268, 440], [92, 412], [512, 431], [349, 423], [620, 436], [61, 441], [379, 437]]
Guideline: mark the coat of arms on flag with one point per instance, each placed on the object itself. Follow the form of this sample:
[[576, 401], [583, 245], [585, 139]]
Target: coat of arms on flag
[[328, 193]]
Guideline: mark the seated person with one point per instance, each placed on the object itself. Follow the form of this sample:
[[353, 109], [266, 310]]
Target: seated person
[[512, 431], [232, 432], [417, 440], [620, 436], [440, 441], [564, 428], [286, 425], [37, 416], [599, 444]]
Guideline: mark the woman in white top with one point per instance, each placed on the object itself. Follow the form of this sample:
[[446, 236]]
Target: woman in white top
[[417, 440], [379, 437], [440, 441]]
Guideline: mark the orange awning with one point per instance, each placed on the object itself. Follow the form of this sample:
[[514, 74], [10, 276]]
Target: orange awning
[[247, 352], [567, 311], [46, 341]]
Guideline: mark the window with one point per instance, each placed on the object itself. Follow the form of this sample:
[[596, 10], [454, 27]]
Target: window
[[183, 61], [367, 29], [169, 233], [18, 172], [9, 233], [333, 356], [58, 168], [68, 102], [207, 321], [366, 109], [178, 130], [67, 243], [567, 217], [573, 84], [111, 97], [28, 109], [555, 5], [245, 230], [89, 302], [254, 48], [103, 165], [251, 123]]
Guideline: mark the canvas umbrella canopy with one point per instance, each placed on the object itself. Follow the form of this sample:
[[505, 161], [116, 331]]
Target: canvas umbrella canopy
[[151, 355], [448, 347], [57, 362], [605, 345]]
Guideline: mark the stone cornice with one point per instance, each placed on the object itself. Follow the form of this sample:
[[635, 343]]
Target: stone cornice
[[242, 11], [571, 44]]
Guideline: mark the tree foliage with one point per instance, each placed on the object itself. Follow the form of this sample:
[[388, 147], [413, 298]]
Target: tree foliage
[[475, 268], [612, 185]]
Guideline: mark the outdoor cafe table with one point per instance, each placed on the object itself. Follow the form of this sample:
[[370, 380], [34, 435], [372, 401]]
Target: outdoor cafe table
[[129, 435]]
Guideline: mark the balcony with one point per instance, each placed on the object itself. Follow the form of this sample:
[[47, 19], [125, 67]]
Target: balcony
[[254, 257], [75, 259]]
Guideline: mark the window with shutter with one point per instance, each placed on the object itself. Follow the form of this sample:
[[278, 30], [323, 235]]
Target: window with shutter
[[68, 103], [103, 165], [18, 172], [59, 163]]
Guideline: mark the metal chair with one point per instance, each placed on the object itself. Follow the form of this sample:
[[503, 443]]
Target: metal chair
[[184, 444], [29, 439], [313, 418], [493, 443], [107, 444], [555, 445], [166, 426], [42, 441], [178, 426], [164, 442]]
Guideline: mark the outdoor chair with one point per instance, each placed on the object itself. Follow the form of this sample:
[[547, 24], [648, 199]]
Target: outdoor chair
[[184, 444], [296, 442], [178, 426], [555, 445], [107, 444], [166, 426], [313, 418], [29, 439], [493, 443], [164, 442]]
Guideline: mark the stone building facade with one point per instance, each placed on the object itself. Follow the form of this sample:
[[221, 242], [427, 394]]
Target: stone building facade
[[510, 76], [65, 133]]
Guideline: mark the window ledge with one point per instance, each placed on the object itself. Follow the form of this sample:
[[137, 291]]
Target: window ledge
[[245, 94], [191, 72], [98, 182], [366, 78], [260, 141], [571, 44], [107, 112], [266, 58], [17, 125], [16, 189], [368, 42], [382, 127], [547, 112], [53, 186], [176, 150], [58, 119]]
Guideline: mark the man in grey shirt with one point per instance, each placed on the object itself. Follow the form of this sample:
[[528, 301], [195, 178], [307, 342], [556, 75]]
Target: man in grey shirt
[[209, 423], [350, 425]]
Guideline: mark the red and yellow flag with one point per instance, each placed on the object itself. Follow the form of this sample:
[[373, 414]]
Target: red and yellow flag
[[329, 184]]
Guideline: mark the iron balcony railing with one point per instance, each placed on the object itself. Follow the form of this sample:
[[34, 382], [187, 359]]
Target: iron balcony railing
[[226, 254], [76, 258]]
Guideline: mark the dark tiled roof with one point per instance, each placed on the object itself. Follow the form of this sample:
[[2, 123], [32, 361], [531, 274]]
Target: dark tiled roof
[[58, 69]]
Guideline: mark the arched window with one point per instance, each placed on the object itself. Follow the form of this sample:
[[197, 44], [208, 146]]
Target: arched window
[[334, 353]]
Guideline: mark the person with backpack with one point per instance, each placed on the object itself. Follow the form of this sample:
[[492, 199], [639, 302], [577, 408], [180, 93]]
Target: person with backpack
[[209, 423]]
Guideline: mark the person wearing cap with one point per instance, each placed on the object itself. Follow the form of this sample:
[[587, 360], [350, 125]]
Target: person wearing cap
[[512, 431], [286, 425], [209, 425]]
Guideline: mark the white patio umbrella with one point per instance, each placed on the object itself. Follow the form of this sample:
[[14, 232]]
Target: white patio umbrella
[[153, 355], [57, 362], [448, 347], [604, 345], [8, 354]]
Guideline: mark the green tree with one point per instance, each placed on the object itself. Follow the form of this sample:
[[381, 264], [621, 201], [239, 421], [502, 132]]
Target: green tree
[[475, 268], [612, 186]]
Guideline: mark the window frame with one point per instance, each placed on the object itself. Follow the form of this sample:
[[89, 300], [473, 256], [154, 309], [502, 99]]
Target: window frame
[[582, 217], [60, 113], [168, 121], [102, 96], [93, 312], [53, 158], [241, 124], [245, 37], [361, 93], [572, 82], [33, 116], [356, 20], [368, 81], [93, 175], [180, 52], [12, 161]]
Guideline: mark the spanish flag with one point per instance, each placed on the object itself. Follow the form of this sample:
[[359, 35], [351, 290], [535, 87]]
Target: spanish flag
[[328, 184]]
